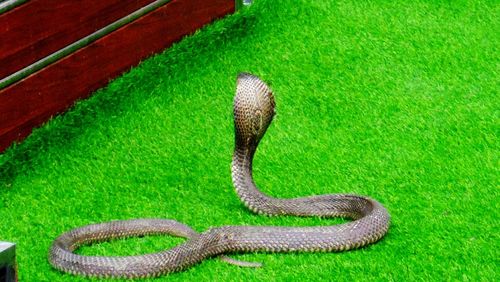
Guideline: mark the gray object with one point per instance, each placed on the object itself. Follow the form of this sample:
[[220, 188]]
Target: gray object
[[10, 4], [242, 3], [253, 113], [7, 262]]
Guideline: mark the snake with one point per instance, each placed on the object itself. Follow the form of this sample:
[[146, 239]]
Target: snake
[[254, 109]]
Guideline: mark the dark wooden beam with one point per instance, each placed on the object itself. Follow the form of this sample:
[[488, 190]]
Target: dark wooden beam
[[33, 100], [40, 27]]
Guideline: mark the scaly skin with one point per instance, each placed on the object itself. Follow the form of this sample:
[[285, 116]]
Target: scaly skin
[[253, 113]]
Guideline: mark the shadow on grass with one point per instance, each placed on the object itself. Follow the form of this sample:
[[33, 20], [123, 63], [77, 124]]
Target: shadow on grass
[[62, 130]]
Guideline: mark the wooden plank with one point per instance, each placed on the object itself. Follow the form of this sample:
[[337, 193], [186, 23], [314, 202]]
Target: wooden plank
[[40, 27], [32, 101]]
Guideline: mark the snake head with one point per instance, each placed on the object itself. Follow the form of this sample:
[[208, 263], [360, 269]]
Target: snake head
[[253, 109]]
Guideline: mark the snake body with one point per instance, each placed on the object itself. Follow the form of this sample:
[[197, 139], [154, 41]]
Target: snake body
[[253, 112]]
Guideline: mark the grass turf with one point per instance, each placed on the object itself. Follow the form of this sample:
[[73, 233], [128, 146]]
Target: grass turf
[[398, 101]]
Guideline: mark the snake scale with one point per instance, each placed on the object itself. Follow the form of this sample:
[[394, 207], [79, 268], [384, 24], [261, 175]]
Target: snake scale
[[253, 112]]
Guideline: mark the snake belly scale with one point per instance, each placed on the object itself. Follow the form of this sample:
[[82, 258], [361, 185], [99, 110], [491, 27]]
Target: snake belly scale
[[254, 108]]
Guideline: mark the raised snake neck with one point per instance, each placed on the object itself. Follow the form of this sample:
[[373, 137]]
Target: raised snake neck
[[253, 112]]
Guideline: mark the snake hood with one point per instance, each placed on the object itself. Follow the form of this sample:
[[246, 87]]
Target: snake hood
[[252, 113]]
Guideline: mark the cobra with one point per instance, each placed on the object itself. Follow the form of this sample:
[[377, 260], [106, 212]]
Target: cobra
[[254, 109]]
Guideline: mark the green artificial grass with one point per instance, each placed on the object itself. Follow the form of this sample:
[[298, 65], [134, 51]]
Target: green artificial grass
[[398, 101]]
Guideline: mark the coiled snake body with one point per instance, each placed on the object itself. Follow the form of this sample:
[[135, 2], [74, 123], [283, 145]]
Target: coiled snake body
[[253, 112]]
